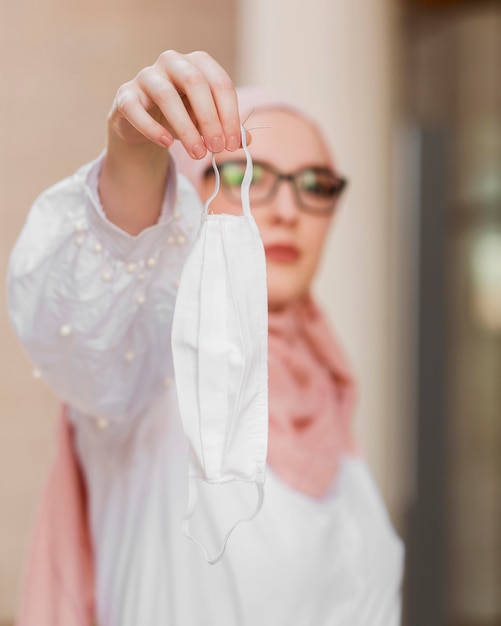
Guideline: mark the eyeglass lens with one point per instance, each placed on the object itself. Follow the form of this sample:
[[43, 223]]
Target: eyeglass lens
[[316, 188]]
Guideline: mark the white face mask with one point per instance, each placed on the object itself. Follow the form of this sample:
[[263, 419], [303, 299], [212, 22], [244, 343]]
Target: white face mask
[[220, 349]]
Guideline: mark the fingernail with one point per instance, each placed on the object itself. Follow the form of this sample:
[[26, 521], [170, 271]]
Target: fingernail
[[198, 151], [233, 143], [216, 144]]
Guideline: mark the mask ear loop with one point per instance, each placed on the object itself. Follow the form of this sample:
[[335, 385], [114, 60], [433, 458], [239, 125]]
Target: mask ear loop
[[246, 181], [216, 186], [193, 480], [192, 502]]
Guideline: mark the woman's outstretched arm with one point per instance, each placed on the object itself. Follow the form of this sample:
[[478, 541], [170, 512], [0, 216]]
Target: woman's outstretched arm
[[93, 275], [188, 97]]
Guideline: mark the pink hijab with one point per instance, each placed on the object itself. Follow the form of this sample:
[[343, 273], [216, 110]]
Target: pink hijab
[[311, 404]]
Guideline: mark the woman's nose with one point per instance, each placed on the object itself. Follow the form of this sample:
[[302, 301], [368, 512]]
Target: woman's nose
[[283, 206]]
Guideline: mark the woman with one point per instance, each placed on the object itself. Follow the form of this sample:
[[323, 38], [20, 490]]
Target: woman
[[93, 282]]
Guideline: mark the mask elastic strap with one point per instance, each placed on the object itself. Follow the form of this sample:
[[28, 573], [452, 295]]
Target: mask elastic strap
[[246, 182], [216, 186], [192, 502]]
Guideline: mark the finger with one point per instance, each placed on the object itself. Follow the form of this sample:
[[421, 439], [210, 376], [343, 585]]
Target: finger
[[160, 89], [129, 107], [248, 133], [224, 95], [192, 84]]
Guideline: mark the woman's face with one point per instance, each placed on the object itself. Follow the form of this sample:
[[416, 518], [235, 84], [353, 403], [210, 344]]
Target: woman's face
[[292, 238]]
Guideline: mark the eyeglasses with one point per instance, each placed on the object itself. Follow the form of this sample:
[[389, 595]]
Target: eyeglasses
[[316, 189]]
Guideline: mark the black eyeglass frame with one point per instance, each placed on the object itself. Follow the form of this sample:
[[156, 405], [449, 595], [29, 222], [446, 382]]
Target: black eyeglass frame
[[279, 177]]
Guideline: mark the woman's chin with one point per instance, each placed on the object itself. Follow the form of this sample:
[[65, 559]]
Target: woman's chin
[[286, 285], [282, 298]]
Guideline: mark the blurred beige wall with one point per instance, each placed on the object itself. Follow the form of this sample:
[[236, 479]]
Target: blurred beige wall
[[61, 63]]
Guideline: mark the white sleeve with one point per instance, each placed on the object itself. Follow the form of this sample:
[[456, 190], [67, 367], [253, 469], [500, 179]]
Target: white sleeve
[[380, 552], [93, 305], [381, 601], [383, 607]]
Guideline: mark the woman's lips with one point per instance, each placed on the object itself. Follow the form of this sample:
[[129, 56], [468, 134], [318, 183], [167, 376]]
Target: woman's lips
[[282, 253]]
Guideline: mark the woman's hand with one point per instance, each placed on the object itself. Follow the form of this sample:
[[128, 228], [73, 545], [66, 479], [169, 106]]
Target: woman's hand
[[188, 97], [181, 96]]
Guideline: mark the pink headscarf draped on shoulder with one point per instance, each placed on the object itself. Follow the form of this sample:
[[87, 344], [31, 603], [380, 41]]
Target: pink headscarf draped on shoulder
[[311, 405]]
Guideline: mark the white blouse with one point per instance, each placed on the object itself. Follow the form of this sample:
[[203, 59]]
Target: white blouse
[[93, 308]]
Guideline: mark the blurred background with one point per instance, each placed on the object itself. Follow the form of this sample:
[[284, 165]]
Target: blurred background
[[410, 94]]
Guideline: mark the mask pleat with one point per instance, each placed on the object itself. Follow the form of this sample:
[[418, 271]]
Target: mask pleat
[[213, 362], [237, 353]]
